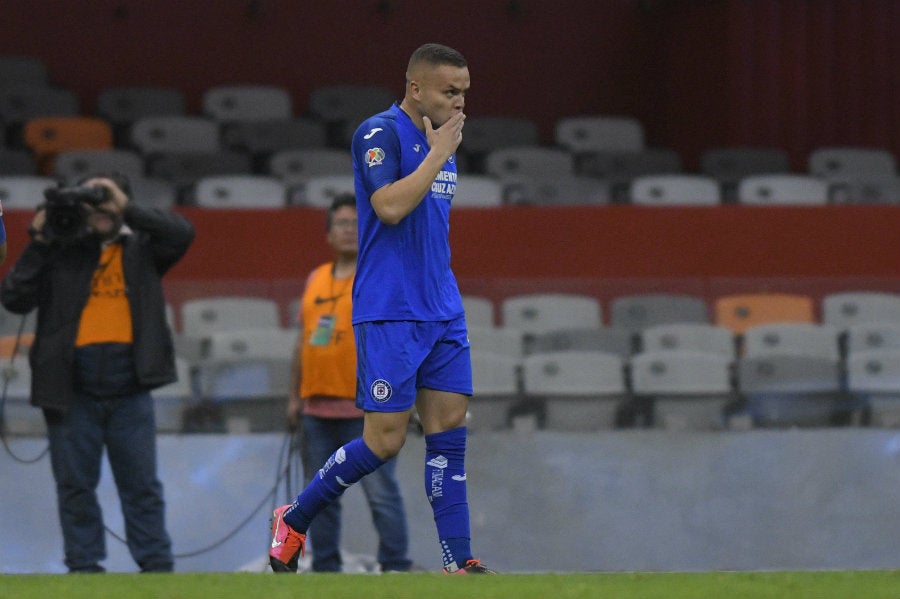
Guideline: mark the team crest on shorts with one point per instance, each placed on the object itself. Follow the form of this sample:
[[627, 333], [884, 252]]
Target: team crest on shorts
[[381, 390], [374, 156]]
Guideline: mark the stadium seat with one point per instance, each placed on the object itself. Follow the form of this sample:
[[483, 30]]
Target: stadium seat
[[782, 190], [171, 401], [175, 135], [495, 382], [183, 170], [127, 104], [320, 191], [674, 190], [48, 136], [846, 308], [20, 103], [541, 312], [230, 103], [487, 133], [689, 389], [478, 191], [344, 107], [873, 335], [479, 310], [613, 340], [808, 339], [637, 312], [24, 192], [740, 311], [729, 164], [266, 137], [295, 167], [580, 390], [154, 192], [72, 165], [866, 189], [698, 337], [873, 377], [123, 105], [19, 416], [496, 340], [791, 389], [620, 168], [246, 373], [16, 162], [23, 69], [595, 133], [529, 161], [201, 317], [341, 103], [849, 161], [239, 191], [556, 190]]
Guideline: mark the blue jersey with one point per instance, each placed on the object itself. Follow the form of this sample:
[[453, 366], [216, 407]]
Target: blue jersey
[[403, 270]]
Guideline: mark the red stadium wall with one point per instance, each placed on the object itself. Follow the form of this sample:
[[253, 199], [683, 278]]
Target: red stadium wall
[[568, 243], [601, 251]]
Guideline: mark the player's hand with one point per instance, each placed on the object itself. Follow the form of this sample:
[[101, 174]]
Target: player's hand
[[446, 138]]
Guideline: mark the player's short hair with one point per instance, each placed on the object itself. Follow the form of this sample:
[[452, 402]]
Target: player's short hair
[[435, 55], [339, 201]]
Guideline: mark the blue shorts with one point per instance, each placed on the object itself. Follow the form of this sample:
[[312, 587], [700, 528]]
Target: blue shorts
[[397, 358]]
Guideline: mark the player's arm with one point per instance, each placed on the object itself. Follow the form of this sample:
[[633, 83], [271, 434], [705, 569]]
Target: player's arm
[[392, 202]]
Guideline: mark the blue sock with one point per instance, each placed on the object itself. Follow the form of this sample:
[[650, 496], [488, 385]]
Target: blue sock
[[346, 466], [445, 485]]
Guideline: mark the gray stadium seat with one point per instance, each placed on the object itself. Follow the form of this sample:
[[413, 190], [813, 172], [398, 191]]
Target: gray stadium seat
[[675, 190], [240, 191], [230, 103]]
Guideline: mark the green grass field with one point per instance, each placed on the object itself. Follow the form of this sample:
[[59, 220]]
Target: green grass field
[[727, 585]]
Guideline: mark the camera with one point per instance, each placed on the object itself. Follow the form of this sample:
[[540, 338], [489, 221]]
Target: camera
[[66, 219]]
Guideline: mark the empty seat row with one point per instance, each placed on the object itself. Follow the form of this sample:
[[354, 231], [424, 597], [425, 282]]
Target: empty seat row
[[541, 312], [224, 191], [529, 173]]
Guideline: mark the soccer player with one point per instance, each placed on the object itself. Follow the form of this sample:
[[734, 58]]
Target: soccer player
[[408, 318]]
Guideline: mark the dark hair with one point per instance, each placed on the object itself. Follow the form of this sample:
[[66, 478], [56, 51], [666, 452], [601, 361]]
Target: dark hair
[[121, 180], [436, 54], [339, 201]]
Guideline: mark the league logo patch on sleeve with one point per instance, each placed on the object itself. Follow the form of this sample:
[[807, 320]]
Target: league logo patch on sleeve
[[374, 156]]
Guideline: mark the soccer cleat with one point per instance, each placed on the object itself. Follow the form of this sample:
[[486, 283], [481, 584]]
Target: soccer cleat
[[473, 566], [287, 544]]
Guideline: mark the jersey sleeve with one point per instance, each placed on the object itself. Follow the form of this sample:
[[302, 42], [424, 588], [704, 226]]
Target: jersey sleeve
[[377, 154]]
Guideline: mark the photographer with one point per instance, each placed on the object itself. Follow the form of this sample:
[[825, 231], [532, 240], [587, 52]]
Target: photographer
[[93, 270]]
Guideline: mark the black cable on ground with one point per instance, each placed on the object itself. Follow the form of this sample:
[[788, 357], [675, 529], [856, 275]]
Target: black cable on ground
[[7, 374]]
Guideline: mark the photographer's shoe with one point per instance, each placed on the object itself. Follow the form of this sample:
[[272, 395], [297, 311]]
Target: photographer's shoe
[[287, 544], [473, 566]]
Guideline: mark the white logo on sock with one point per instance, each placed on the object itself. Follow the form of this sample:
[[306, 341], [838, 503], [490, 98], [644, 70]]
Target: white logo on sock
[[438, 462]]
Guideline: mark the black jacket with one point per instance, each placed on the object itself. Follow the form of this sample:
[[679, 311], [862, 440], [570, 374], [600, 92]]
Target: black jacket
[[57, 279]]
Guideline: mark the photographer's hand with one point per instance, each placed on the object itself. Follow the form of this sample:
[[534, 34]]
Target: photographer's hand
[[37, 226]]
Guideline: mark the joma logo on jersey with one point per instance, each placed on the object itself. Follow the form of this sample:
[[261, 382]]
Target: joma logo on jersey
[[374, 156]]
